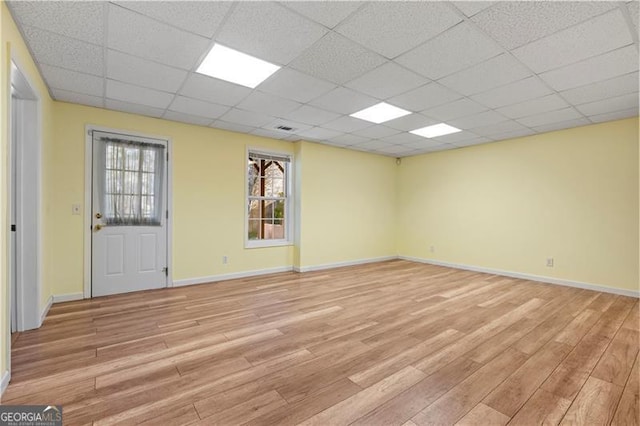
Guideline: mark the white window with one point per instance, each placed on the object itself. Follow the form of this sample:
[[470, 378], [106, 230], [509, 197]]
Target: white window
[[268, 199]]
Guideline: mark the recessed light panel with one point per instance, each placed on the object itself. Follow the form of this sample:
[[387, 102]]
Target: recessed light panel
[[236, 67], [435, 130], [379, 113]]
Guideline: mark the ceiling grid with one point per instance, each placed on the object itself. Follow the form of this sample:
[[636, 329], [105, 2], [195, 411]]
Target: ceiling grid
[[495, 70]]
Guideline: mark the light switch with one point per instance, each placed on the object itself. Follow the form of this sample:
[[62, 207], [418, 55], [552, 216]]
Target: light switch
[[75, 209]]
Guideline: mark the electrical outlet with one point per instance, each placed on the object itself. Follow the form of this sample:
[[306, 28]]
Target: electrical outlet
[[549, 262], [432, 249], [224, 260], [75, 209]]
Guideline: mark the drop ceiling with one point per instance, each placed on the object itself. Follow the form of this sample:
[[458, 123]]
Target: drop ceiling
[[496, 70]]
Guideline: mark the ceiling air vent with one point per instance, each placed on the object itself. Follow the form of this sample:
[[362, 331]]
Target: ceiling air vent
[[285, 128]]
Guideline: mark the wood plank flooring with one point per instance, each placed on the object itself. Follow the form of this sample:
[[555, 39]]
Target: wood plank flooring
[[391, 343]]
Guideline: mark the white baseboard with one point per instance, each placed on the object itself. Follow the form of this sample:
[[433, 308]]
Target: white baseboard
[[4, 382], [531, 277], [341, 264], [45, 310], [230, 276], [68, 297]]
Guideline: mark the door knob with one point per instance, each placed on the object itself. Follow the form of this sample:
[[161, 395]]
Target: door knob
[[98, 227]]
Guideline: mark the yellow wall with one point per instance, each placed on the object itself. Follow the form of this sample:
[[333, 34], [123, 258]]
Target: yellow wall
[[347, 209], [570, 194], [12, 46], [208, 199], [208, 195]]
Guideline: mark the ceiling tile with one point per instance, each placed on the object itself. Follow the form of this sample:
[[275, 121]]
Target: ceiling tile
[[550, 117], [319, 133], [611, 64], [273, 134], [427, 145], [375, 144], [457, 48], [331, 143], [337, 59], [133, 108], [268, 104], [294, 85], [59, 78], [348, 139], [53, 49], [456, 109], [246, 118], [483, 118], [395, 150], [376, 131], [411, 122], [614, 104], [513, 24], [455, 138], [138, 35], [141, 72], [391, 28], [590, 38], [327, 13], [234, 127], [387, 80], [347, 124], [512, 134], [533, 106], [471, 142], [209, 89], [137, 95], [297, 127], [500, 128], [427, 96], [562, 125], [311, 115], [617, 115], [495, 72], [200, 17], [470, 8], [76, 98], [344, 101], [186, 118], [62, 17], [268, 31], [196, 107], [518, 91], [616, 86], [403, 138]]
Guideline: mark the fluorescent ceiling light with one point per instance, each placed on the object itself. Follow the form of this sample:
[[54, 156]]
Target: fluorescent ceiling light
[[435, 130], [236, 67], [379, 113]]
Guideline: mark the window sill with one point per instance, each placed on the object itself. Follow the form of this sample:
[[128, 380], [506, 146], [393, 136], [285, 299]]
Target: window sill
[[266, 243]]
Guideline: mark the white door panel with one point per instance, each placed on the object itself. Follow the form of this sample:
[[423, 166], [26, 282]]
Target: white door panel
[[129, 225]]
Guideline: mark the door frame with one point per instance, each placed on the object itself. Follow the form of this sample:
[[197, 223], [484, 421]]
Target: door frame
[[88, 193], [27, 262]]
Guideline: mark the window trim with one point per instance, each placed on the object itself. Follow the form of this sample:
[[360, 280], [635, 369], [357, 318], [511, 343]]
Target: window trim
[[288, 230]]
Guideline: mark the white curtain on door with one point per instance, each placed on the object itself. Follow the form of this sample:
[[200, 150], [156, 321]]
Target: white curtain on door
[[130, 177]]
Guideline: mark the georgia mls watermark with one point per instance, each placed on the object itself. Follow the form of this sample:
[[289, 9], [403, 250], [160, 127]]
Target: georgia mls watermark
[[30, 415]]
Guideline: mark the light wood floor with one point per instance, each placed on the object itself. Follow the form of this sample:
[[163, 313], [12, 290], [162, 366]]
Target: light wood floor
[[391, 343]]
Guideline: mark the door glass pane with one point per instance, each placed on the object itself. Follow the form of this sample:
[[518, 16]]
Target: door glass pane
[[131, 180]]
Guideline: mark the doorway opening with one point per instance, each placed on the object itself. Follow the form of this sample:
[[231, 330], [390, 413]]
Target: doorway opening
[[24, 192]]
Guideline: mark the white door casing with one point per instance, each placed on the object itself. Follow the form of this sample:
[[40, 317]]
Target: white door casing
[[126, 257]]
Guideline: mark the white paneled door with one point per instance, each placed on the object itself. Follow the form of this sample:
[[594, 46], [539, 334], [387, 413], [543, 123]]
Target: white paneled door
[[129, 214]]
